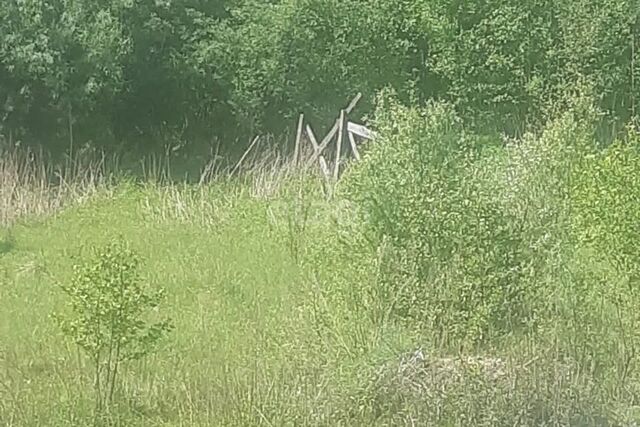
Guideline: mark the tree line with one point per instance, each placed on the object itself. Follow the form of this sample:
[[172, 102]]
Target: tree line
[[114, 71]]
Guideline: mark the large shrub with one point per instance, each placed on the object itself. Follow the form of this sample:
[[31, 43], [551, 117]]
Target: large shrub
[[606, 229], [470, 240], [452, 251]]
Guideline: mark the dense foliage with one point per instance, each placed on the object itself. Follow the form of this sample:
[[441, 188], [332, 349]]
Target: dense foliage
[[469, 233], [122, 68], [477, 245]]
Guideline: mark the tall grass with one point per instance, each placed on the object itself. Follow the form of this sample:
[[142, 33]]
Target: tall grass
[[31, 184]]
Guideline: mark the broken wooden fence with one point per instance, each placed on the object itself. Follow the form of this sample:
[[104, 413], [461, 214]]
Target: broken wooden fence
[[343, 131]]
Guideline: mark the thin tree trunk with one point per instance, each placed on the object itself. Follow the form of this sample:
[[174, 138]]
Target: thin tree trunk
[[115, 372], [96, 385]]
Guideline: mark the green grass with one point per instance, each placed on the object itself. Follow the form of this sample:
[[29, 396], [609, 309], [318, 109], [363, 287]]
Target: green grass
[[276, 325], [235, 294]]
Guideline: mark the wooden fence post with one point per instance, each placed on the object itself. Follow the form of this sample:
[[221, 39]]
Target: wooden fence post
[[332, 133], [316, 150], [341, 129], [354, 147], [296, 150]]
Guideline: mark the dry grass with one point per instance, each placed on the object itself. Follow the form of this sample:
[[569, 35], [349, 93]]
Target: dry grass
[[263, 175], [268, 173], [32, 185]]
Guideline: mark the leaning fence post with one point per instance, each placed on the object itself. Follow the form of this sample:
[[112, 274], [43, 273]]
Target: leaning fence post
[[354, 146], [296, 149], [341, 128], [316, 149]]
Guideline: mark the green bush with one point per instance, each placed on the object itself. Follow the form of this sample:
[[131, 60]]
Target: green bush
[[606, 219], [468, 239], [452, 263], [605, 202]]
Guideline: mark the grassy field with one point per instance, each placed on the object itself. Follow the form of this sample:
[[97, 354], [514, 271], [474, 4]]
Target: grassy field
[[280, 321], [236, 294]]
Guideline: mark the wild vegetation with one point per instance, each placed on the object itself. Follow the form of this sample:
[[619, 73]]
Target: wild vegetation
[[451, 280], [478, 266]]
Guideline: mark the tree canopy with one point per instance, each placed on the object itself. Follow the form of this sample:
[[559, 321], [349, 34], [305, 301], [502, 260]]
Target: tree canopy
[[120, 69]]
